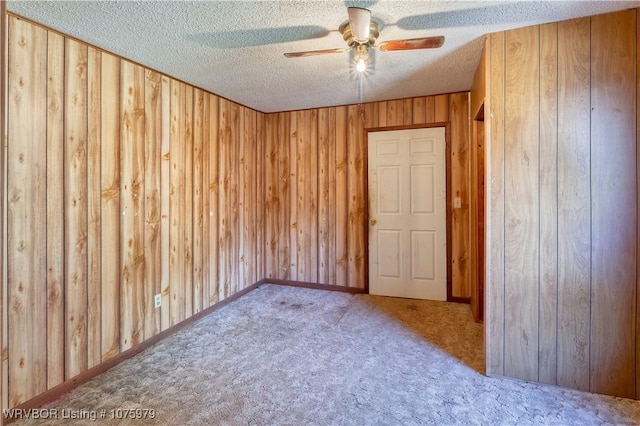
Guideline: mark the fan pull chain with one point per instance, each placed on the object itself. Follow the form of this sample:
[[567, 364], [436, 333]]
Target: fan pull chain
[[361, 94]]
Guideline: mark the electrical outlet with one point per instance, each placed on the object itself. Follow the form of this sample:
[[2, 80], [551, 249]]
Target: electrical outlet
[[157, 300]]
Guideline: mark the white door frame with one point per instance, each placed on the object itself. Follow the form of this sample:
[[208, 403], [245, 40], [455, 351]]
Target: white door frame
[[447, 154]]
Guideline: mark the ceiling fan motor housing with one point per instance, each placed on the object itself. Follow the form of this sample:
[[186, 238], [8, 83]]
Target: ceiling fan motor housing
[[348, 36]]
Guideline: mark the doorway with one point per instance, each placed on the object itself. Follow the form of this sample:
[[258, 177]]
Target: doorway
[[408, 213]]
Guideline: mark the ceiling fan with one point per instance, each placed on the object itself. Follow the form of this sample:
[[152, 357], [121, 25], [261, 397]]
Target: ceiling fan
[[361, 33]]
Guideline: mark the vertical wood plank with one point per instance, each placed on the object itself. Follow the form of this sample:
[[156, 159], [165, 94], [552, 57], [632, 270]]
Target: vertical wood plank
[[476, 155], [330, 163], [548, 203], [214, 215], [613, 183], [303, 130], [165, 202], [460, 178], [311, 189], [494, 150], [224, 237], [234, 205], [325, 257], [110, 208], [94, 265], [293, 196], [55, 210], [419, 110], [152, 201], [198, 124], [407, 111], [574, 231], [271, 258], [260, 188], [283, 196], [132, 205], [4, 396], [75, 183], [395, 113], [341, 218], [382, 114], [370, 114], [241, 173], [176, 205], [478, 234], [441, 108], [521, 204], [356, 218], [638, 204], [187, 203], [251, 207], [26, 211], [430, 109], [206, 210], [479, 84]]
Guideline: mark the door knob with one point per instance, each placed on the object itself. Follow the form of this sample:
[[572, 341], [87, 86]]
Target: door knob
[[372, 221]]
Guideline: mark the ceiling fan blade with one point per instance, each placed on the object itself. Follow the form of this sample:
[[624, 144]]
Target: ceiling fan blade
[[412, 43], [315, 52], [359, 21]]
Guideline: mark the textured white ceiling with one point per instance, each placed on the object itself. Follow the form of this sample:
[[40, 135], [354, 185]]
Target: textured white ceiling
[[235, 48]]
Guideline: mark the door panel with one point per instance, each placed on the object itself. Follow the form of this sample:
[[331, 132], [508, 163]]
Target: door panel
[[422, 195], [389, 190], [423, 252], [407, 195], [389, 253]]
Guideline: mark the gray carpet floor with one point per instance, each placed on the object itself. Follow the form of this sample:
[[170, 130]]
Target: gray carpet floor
[[293, 356]]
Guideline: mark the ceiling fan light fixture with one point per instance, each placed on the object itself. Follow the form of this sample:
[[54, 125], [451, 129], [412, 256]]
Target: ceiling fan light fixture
[[361, 58]]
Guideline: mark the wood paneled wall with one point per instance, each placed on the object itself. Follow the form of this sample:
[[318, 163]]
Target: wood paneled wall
[[315, 175], [563, 219], [121, 183]]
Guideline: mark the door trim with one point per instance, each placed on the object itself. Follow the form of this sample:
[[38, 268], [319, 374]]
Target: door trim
[[447, 154]]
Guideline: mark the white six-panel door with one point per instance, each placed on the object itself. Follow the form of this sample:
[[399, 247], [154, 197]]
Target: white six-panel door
[[407, 211]]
